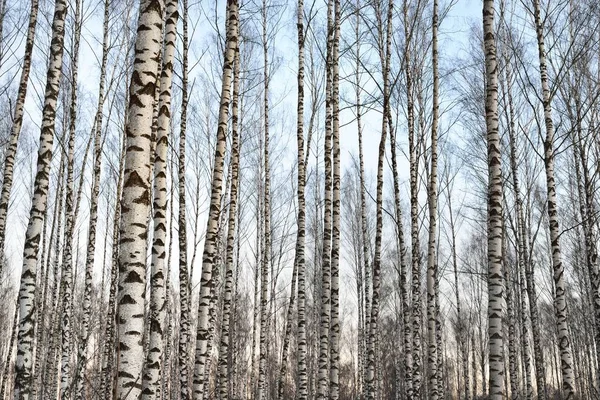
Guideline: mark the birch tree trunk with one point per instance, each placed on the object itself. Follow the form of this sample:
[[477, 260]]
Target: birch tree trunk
[[266, 254], [184, 279], [224, 347], [48, 374], [495, 274], [325, 320], [210, 241], [560, 301], [135, 202], [154, 359], [23, 366], [67, 269], [334, 389], [80, 374], [300, 261], [8, 361], [385, 54], [11, 151], [414, 205], [363, 209], [402, 281], [432, 198], [463, 339], [106, 382], [521, 239]]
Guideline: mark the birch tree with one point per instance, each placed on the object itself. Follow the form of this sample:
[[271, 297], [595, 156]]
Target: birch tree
[[300, 261], [432, 198], [17, 123], [153, 366], [135, 201], [210, 241], [67, 269], [23, 366], [494, 203], [560, 304]]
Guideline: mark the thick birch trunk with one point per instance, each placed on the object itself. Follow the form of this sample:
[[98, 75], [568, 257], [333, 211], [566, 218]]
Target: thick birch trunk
[[135, 202], [154, 359]]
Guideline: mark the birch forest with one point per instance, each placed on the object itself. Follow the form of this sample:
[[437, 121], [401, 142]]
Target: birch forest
[[299, 199]]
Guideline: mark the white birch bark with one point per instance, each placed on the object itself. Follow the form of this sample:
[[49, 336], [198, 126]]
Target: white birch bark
[[67, 269], [495, 272], [210, 241], [334, 379], [23, 367], [80, 374], [560, 302], [184, 279], [135, 202], [154, 358], [299, 260], [385, 56], [11, 151], [432, 199], [225, 345]]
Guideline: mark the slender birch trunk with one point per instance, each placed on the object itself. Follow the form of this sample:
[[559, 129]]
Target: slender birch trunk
[[463, 332], [363, 206], [266, 262], [210, 241], [46, 372], [11, 151], [521, 239], [259, 245], [154, 359], [11, 344], [432, 199], [109, 345], [67, 269], [169, 341], [401, 245], [372, 380], [495, 275], [360, 284], [23, 367], [560, 302], [184, 279], [586, 205], [80, 374], [324, 325], [334, 378], [3, 12], [135, 202], [414, 204], [41, 302], [510, 316], [300, 261]]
